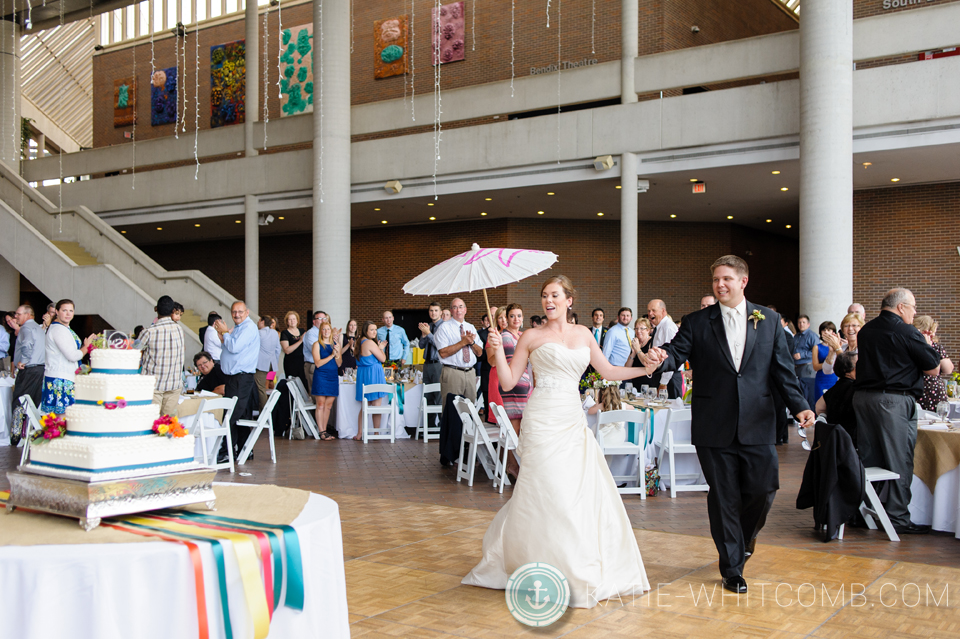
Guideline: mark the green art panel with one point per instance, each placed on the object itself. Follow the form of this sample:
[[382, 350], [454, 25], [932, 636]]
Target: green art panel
[[296, 69]]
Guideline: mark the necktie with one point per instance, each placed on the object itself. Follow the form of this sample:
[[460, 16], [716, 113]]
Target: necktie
[[733, 337], [596, 334], [465, 352]]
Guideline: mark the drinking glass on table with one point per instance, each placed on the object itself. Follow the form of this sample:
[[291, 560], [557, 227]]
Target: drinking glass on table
[[650, 393], [643, 390], [663, 395], [943, 410]]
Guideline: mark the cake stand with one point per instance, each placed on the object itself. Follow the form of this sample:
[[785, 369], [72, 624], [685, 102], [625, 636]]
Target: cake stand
[[91, 499]]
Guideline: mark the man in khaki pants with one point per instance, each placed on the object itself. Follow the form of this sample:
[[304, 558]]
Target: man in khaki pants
[[162, 357]]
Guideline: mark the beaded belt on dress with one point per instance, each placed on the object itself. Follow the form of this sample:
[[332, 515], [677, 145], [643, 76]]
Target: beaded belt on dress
[[550, 382]]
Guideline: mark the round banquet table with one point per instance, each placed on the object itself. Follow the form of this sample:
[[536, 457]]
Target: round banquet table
[[146, 590], [348, 410]]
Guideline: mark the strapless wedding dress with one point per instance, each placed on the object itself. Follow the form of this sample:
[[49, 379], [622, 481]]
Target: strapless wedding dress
[[565, 510]]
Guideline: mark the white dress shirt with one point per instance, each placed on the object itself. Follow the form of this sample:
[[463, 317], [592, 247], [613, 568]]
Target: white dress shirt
[[616, 345], [666, 331], [269, 356], [448, 334], [212, 343], [735, 326]]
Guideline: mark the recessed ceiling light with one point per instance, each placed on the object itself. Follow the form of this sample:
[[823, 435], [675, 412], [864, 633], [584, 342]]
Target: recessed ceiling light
[[775, 172], [694, 180], [124, 232], [768, 221], [383, 221], [483, 213], [488, 199], [197, 225], [866, 164], [428, 204], [239, 221], [432, 218], [159, 228], [539, 212], [673, 215], [281, 218], [894, 179], [550, 193], [789, 226], [600, 214], [379, 209], [729, 217], [783, 188], [618, 187]]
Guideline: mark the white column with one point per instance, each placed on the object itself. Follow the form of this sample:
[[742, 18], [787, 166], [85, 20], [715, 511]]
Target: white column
[[41, 145], [9, 286], [331, 160], [826, 159], [251, 253], [629, 48], [10, 94], [629, 231], [252, 65]]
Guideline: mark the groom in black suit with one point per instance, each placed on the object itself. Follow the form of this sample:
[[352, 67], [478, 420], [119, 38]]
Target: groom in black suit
[[739, 352]]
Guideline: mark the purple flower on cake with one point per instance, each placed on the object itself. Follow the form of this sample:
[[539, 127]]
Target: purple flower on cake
[[120, 403]]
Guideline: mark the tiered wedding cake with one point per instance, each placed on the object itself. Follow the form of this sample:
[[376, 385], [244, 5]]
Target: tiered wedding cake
[[109, 430]]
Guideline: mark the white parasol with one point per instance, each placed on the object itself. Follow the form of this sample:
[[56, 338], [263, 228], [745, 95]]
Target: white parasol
[[480, 268]]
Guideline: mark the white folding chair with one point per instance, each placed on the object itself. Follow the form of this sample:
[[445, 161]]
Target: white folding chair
[[424, 425], [627, 448], [671, 446], [302, 405], [33, 425], [875, 509], [226, 404], [265, 420], [480, 437], [508, 441], [385, 410]]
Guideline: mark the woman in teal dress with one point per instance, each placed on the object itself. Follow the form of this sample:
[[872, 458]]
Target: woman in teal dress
[[370, 358]]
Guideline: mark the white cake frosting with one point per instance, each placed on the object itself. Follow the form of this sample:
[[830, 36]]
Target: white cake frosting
[[96, 421], [115, 359], [97, 387], [97, 455]]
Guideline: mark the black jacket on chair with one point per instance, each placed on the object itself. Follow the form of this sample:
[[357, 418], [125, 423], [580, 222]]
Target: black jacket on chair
[[833, 480]]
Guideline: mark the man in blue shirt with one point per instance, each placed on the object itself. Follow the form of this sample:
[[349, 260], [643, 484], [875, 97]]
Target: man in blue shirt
[[238, 361], [398, 346], [309, 339], [616, 344], [803, 345]]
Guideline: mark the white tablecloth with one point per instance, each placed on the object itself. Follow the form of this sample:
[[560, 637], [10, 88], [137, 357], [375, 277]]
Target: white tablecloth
[[941, 508], [146, 590], [348, 411], [6, 414]]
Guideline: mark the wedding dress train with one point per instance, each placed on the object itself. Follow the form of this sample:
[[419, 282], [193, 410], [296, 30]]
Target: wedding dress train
[[565, 510]]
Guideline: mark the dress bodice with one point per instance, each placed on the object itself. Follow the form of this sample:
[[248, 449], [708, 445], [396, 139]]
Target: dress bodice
[[558, 368]]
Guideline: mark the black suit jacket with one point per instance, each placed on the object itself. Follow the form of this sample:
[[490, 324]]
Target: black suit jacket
[[729, 404]]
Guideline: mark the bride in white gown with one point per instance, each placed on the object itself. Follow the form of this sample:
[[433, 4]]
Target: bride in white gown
[[565, 510]]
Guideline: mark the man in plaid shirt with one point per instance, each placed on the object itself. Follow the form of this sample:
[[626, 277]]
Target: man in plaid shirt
[[162, 357]]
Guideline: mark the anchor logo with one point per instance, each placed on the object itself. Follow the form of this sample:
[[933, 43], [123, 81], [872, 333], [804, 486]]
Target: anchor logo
[[537, 589]]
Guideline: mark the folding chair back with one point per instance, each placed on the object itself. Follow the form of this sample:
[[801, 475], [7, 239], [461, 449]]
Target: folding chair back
[[425, 425], [388, 410], [633, 450], [508, 441], [227, 405], [33, 425], [481, 441], [265, 420], [302, 405], [676, 441]]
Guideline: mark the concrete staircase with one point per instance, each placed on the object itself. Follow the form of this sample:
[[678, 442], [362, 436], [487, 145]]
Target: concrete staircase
[[75, 254]]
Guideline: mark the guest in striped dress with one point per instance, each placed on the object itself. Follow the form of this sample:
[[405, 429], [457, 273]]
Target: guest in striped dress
[[515, 400]]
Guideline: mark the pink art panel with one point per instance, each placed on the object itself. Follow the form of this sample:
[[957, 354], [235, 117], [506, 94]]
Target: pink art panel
[[448, 30]]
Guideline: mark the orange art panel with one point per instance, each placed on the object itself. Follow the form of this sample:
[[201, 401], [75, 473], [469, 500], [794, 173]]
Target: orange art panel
[[390, 47]]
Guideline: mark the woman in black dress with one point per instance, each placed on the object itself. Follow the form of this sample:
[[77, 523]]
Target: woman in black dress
[[643, 332], [349, 340], [291, 341]]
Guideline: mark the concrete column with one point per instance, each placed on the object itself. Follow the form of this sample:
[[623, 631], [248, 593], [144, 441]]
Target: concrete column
[[9, 286], [629, 48], [252, 64], [826, 159], [251, 253], [41, 145], [629, 231], [10, 94], [331, 160]]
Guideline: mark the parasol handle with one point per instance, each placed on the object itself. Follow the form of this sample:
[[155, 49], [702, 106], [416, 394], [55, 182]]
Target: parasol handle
[[493, 320]]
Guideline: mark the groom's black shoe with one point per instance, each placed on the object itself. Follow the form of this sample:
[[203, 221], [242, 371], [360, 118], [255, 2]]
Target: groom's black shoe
[[446, 463], [748, 549], [735, 584]]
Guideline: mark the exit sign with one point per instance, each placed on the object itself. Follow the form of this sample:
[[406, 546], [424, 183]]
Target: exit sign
[[699, 187]]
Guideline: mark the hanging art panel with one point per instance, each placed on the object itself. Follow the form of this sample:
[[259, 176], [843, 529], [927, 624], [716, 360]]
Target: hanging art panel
[[227, 83], [296, 67], [390, 47], [124, 101], [449, 28], [163, 97]]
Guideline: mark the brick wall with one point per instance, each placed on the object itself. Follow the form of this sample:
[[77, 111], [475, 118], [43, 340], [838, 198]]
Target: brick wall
[[674, 264], [663, 24], [907, 236], [864, 8]]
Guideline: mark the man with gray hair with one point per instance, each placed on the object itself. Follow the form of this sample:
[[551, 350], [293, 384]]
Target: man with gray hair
[[858, 309], [666, 330], [28, 360], [893, 358]]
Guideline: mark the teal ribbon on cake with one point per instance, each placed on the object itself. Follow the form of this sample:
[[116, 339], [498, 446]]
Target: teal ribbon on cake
[[90, 402], [294, 561], [116, 371], [131, 433], [111, 470]]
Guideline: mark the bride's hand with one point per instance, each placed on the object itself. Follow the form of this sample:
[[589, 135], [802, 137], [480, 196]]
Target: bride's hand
[[494, 340]]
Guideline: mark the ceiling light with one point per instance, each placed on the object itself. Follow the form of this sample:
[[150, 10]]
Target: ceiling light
[[550, 193], [432, 218], [197, 225], [673, 215], [600, 214], [429, 203], [239, 221], [618, 187], [539, 212], [789, 226], [483, 213], [159, 228], [729, 217], [866, 164], [281, 218], [488, 199], [383, 221], [376, 209], [694, 180], [894, 179], [124, 232], [768, 221], [775, 172], [783, 188]]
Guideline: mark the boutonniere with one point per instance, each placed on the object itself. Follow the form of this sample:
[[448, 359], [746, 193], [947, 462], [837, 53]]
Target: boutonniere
[[756, 316]]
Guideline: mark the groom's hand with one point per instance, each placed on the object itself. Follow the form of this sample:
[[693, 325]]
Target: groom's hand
[[806, 418], [656, 356]]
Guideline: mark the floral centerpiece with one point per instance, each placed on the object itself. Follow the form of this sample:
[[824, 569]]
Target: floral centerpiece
[[596, 381], [169, 427], [116, 340], [52, 426]]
